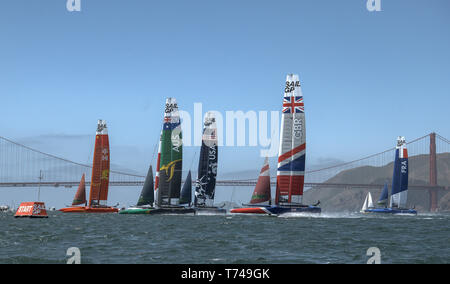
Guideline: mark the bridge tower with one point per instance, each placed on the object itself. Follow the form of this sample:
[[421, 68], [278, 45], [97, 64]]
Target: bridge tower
[[433, 173]]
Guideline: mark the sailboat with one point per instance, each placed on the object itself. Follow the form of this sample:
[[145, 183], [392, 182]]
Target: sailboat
[[368, 203], [146, 198], [98, 195], [207, 169], [169, 164], [399, 194], [292, 153], [261, 197]]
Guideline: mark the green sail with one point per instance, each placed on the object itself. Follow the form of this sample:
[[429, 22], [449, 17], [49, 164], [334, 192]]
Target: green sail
[[171, 156], [147, 195]]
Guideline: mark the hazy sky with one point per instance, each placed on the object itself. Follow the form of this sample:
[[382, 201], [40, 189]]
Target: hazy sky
[[367, 77]]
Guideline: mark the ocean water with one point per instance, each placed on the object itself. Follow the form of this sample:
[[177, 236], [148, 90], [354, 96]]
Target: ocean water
[[328, 238]]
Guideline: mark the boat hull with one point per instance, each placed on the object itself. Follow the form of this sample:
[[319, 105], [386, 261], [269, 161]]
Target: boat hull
[[391, 211], [277, 210], [136, 211], [172, 211], [83, 209], [210, 211], [31, 217]]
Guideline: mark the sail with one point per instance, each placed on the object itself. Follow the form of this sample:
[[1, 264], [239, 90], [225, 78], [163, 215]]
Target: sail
[[384, 196], [400, 175], [100, 170], [207, 166], [261, 194], [369, 201], [147, 195], [80, 196], [171, 155], [364, 207], [292, 151], [186, 191], [158, 163]]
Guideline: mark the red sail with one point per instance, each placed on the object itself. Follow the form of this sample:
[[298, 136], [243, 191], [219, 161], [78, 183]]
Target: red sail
[[262, 189], [100, 169], [80, 196], [104, 180]]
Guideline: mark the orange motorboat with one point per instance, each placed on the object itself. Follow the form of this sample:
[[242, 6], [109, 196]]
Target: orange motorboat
[[98, 195]]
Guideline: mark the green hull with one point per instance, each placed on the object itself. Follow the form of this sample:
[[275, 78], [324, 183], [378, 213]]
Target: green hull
[[136, 211]]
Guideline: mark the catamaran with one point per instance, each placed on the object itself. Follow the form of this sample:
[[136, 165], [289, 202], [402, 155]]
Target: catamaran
[[261, 198], [291, 155], [146, 198], [169, 164], [399, 186], [207, 169], [98, 195]]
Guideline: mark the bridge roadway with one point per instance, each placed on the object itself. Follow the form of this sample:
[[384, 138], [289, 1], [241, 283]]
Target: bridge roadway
[[218, 183]]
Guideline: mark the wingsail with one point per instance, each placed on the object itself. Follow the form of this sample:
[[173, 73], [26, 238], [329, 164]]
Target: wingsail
[[207, 167]]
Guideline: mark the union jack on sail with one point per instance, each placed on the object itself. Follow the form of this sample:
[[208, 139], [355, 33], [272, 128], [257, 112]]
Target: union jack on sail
[[293, 105]]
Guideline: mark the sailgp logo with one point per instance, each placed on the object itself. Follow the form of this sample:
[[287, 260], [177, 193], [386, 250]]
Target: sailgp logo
[[290, 86]]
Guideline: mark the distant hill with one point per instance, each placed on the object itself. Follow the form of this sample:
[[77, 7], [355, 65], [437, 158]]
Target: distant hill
[[338, 200]]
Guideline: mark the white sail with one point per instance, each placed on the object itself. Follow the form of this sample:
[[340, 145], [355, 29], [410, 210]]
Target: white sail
[[291, 158], [364, 207], [370, 202]]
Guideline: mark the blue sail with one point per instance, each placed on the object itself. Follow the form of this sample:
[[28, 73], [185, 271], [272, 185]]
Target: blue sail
[[396, 174], [400, 175], [403, 173], [384, 196]]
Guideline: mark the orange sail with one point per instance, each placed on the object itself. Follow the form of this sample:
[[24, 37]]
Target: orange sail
[[98, 195], [80, 196], [100, 170], [262, 194]]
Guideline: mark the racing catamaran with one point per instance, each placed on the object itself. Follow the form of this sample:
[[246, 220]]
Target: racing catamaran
[[169, 164], [207, 169], [98, 195], [261, 198], [399, 185], [291, 155]]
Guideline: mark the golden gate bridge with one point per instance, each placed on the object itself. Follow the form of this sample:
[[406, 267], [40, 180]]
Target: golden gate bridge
[[20, 165]]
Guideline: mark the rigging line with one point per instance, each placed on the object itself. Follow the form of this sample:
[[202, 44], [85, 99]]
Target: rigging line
[[153, 155], [443, 138]]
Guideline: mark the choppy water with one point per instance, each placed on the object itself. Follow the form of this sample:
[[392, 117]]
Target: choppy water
[[113, 238]]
